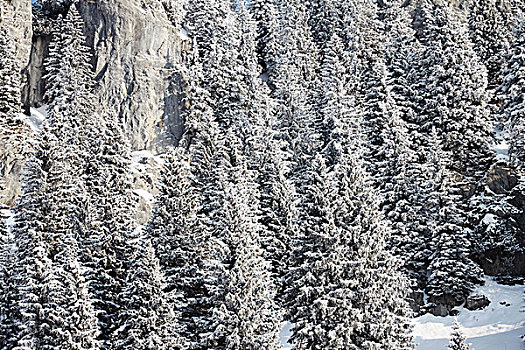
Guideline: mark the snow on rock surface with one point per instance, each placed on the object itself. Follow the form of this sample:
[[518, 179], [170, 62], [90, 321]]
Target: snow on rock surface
[[37, 117], [501, 148], [145, 168], [284, 335], [497, 327]]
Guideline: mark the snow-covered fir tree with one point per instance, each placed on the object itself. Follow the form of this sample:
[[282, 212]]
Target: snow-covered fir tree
[[513, 109], [266, 155], [451, 99], [149, 318], [342, 269], [489, 32], [6, 256], [457, 340], [70, 77], [330, 294], [107, 244], [218, 137], [265, 14], [28, 249], [178, 245], [452, 92], [249, 317], [10, 80], [69, 303], [453, 274], [54, 306]]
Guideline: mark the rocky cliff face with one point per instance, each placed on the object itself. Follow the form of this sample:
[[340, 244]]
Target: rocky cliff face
[[15, 15], [136, 50]]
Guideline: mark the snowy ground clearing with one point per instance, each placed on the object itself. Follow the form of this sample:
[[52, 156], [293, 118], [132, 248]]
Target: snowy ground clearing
[[498, 327]]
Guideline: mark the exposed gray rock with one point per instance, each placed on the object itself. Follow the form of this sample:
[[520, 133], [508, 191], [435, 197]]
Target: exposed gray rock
[[15, 15], [136, 51], [500, 179], [145, 171], [436, 309], [497, 263], [477, 302], [416, 299]]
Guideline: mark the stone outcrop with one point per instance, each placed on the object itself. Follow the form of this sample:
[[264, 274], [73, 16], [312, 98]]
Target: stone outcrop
[[15, 15], [136, 51], [477, 302]]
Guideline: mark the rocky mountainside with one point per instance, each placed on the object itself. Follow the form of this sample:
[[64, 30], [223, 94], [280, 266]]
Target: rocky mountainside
[[135, 49]]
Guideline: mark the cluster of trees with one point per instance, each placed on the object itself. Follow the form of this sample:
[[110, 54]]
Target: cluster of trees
[[335, 157]]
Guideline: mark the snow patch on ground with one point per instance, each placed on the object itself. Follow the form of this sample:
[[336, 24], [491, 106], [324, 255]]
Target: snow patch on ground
[[489, 219], [502, 146], [37, 117], [143, 161], [497, 327], [284, 335]]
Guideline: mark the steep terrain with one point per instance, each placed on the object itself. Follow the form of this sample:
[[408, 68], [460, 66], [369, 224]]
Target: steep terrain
[[135, 48]]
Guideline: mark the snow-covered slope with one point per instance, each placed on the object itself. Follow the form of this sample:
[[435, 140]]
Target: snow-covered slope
[[497, 327]]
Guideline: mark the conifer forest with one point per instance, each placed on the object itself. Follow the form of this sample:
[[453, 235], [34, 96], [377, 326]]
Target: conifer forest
[[328, 174]]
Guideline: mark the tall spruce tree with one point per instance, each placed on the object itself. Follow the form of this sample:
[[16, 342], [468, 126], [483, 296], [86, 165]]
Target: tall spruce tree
[[488, 27], [513, 109], [339, 254], [266, 155], [6, 256], [452, 93], [149, 319], [178, 245], [451, 99], [248, 317], [10, 81], [218, 136], [51, 307], [457, 339], [265, 14], [342, 268]]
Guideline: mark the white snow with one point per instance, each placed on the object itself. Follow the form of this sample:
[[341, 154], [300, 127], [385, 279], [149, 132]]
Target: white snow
[[38, 115], [149, 197], [497, 327], [284, 335], [183, 34], [488, 219], [142, 161], [502, 146]]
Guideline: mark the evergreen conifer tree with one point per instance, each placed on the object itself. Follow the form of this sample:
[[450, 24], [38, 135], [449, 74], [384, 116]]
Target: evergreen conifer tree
[[488, 27], [458, 340], [178, 245], [149, 319], [513, 108], [218, 135], [10, 98], [452, 93], [266, 17], [266, 155], [50, 305], [6, 262], [339, 253]]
